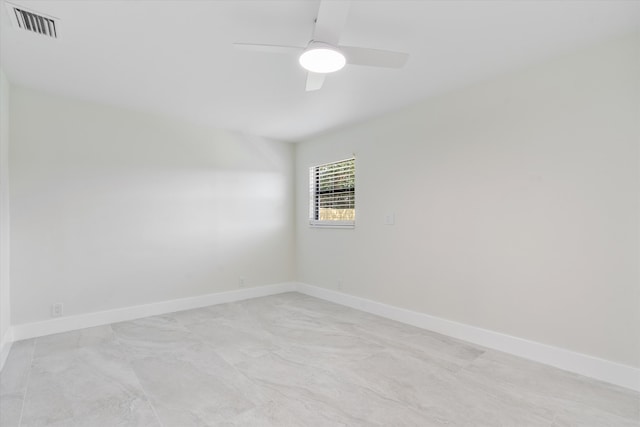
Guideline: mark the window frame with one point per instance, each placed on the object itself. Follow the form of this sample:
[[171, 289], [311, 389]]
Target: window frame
[[314, 198]]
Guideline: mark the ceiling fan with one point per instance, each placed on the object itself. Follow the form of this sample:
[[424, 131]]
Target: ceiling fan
[[323, 54]]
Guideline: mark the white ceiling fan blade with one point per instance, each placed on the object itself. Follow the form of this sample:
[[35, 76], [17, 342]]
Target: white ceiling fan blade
[[374, 57], [314, 81], [332, 15], [268, 48]]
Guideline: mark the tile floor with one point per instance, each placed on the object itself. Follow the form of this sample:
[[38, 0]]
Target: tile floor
[[289, 360]]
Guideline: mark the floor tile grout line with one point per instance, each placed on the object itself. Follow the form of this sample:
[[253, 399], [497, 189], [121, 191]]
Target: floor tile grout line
[[146, 395], [144, 391], [26, 385]]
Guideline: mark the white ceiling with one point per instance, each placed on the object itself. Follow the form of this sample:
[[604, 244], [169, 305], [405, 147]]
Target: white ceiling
[[176, 57]]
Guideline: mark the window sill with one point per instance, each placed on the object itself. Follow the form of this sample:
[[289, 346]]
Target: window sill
[[332, 224]]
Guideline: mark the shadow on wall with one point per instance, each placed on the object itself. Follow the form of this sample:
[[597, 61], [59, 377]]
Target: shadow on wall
[[125, 208]]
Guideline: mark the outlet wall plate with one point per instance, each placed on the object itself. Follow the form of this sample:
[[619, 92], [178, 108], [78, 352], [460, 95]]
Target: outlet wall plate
[[57, 309], [390, 218]]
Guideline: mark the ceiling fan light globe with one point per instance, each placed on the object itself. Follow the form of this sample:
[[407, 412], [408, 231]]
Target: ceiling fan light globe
[[322, 60]]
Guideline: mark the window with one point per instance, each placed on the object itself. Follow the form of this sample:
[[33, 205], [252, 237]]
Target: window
[[332, 194]]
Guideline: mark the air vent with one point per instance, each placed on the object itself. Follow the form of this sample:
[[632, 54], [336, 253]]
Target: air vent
[[33, 21]]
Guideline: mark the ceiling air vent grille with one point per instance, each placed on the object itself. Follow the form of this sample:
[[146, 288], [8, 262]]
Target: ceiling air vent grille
[[32, 21]]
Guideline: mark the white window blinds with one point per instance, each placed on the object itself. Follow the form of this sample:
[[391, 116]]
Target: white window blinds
[[332, 191]]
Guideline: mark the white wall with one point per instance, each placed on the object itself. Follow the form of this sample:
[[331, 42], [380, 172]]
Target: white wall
[[112, 208], [516, 203], [4, 217]]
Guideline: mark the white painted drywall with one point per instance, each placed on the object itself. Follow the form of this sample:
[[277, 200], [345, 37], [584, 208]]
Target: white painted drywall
[[516, 205], [5, 306], [113, 208]]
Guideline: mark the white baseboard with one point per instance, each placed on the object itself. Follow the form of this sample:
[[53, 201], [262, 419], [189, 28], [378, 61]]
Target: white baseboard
[[583, 364], [6, 341], [80, 321], [604, 370]]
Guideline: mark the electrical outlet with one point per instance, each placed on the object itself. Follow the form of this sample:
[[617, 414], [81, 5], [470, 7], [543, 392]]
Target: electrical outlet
[[56, 310], [390, 219], [241, 282]]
